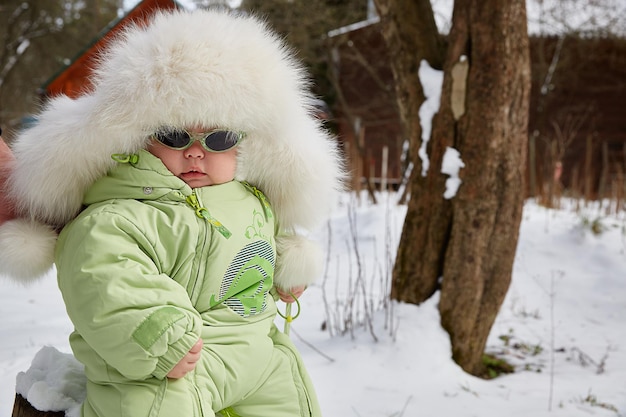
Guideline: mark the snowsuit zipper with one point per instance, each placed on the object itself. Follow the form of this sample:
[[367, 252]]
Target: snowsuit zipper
[[203, 213]]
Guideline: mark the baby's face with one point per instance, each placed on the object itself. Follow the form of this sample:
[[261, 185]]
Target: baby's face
[[195, 165]]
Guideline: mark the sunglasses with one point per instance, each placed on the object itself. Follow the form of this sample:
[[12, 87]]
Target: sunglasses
[[217, 140]]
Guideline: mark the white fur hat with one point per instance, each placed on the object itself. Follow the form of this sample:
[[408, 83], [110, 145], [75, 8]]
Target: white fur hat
[[210, 68]]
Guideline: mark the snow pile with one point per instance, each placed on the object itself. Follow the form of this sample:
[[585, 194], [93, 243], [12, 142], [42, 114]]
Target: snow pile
[[55, 381], [451, 165], [432, 80]]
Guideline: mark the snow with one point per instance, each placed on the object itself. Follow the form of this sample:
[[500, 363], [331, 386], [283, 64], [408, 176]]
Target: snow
[[55, 381], [432, 81], [451, 166], [561, 325]]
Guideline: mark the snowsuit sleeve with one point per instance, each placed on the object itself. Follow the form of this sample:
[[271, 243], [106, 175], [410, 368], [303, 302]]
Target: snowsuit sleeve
[[137, 319], [299, 260]]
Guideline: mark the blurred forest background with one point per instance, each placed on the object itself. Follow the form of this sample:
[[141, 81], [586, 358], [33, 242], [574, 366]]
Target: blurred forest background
[[576, 123], [40, 37]]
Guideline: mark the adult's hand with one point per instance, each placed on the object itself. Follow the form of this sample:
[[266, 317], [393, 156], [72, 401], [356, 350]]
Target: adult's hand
[[7, 208]]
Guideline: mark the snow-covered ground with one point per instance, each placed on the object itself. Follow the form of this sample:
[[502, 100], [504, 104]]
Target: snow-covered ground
[[562, 325]]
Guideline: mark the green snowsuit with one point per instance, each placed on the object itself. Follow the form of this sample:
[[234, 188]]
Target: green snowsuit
[[147, 268]]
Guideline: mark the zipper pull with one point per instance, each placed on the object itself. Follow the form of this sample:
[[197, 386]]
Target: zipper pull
[[203, 213]]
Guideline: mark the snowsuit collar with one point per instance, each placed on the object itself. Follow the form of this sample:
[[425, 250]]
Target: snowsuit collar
[[140, 176]]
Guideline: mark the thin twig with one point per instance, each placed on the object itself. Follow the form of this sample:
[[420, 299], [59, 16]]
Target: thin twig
[[319, 352], [552, 295], [360, 281], [329, 325], [406, 404]]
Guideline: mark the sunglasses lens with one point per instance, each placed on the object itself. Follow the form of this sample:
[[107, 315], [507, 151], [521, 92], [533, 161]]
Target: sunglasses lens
[[173, 138], [221, 140]]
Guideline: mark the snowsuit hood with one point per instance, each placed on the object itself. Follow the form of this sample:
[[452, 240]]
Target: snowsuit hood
[[201, 68]]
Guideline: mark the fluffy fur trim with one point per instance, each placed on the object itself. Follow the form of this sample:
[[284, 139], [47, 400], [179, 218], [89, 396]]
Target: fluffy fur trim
[[299, 262], [58, 158], [26, 249], [209, 68]]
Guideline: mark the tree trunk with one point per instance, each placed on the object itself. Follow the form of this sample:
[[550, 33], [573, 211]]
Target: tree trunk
[[411, 34], [492, 139], [22, 408], [466, 243]]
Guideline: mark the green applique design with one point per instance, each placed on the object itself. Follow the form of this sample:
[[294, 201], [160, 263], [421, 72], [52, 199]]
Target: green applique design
[[248, 279], [259, 194], [254, 230]]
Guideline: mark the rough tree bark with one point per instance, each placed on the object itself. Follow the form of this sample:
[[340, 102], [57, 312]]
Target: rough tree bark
[[411, 34], [467, 244], [492, 138]]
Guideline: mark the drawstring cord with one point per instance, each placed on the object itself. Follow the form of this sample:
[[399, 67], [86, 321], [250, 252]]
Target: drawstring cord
[[287, 316], [123, 158]]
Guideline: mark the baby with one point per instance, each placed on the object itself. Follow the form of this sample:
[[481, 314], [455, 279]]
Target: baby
[[182, 184]]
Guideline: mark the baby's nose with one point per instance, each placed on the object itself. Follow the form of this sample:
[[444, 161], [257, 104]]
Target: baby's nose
[[194, 151]]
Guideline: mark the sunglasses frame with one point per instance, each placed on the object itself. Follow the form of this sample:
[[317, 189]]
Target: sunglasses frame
[[200, 137]]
